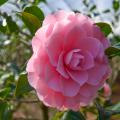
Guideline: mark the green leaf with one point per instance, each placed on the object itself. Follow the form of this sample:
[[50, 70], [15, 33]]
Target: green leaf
[[71, 115], [113, 51], [3, 1], [93, 8], [116, 5], [22, 86], [57, 116], [5, 112], [32, 17], [2, 28], [34, 10], [102, 113], [11, 25], [105, 28], [114, 108], [4, 92]]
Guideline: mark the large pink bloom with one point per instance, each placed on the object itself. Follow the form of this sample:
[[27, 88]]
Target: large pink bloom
[[68, 64]]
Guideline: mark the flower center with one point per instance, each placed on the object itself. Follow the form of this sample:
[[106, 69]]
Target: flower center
[[74, 59]]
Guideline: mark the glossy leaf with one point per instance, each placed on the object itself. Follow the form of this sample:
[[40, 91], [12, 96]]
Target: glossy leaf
[[34, 10], [22, 86], [3, 1], [71, 115], [113, 51], [105, 28], [32, 17]]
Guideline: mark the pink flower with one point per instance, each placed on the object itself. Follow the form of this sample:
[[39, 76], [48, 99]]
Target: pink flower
[[68, 64], [107, 90]]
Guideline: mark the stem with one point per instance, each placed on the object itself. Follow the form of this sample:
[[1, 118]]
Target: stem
[[45, 112]]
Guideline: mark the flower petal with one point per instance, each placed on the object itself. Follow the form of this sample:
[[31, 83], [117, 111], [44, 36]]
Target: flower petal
[[95, 74], [79, 76]]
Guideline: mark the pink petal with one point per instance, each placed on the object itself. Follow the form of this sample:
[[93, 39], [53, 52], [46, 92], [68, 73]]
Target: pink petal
[[96, 74], [54, 44], [61, 68], [69, 55], [72, 37], [100, 36], [88, 90], [88, 44], [88, 60], [60, 84], [79, 76], [48, 96]]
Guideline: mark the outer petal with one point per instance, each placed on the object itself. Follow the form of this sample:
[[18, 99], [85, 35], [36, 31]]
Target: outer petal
[[88, 90], [58, 16], [48, 96], [96, 74], [100, 36]]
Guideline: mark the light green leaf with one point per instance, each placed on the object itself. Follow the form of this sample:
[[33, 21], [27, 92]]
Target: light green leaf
[[22, 86], [105, 28]]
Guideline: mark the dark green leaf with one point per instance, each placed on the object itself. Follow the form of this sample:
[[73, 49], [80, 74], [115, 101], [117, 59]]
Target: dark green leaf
[[11, 25], [106, 11], [116, 5], [32, 17], [2, 28], [3, 1], [93, 8], [71, 115], [113, 51], [5, 112], [105, 28], [4, 92], [22, 86], [102, 114]]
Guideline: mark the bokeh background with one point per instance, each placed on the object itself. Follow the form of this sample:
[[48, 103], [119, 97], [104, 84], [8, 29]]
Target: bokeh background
[[15, 50]]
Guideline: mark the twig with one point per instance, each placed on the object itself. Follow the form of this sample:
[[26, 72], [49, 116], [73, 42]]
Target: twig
[[21, 101]]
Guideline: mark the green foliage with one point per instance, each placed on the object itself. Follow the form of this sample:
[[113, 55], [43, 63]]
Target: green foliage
[[113, 51], [114, 109], [22, 86], [116, 5], [105, 28], [5, 111], [3, 1], [11, 25], [4, 92], [71, 115], [32, 17]]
